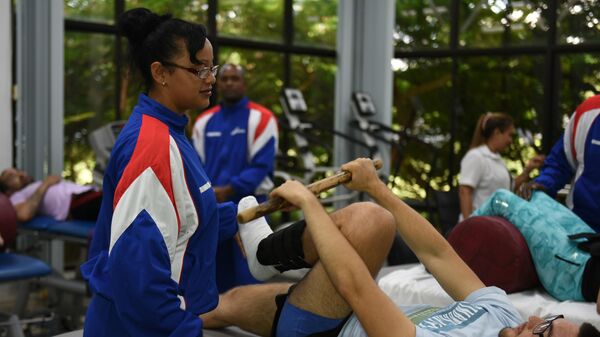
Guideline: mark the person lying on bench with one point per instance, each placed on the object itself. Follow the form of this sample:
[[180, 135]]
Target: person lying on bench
[[339, 297], [52, 196]]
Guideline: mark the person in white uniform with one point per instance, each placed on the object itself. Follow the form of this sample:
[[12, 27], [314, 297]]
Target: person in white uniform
[[482, 170]]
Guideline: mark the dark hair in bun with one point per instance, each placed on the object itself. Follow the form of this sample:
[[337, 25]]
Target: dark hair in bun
[[154, 37]]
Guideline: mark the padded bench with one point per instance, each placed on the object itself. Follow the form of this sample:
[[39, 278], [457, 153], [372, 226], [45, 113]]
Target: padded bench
[[17, 267], [68, 230]]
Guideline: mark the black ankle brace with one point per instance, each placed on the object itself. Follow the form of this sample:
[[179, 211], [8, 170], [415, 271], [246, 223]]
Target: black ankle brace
[[283, 249]]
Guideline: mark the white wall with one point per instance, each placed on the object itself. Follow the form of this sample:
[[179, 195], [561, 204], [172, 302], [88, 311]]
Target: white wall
[[6, 118]]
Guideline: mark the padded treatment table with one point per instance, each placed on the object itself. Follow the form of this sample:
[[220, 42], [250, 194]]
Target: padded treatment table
[[55, 233], [412, 284], [70, 230], [17, 267]]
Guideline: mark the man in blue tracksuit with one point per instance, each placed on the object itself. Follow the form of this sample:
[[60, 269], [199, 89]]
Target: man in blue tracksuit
[[237, 143], [575, 159]]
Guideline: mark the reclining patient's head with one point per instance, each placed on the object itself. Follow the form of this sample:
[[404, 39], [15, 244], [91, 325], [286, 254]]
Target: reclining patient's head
[[12, 180], [555, 326]]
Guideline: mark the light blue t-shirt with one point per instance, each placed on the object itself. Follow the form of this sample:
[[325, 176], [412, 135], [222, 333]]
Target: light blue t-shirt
[[483, 313]]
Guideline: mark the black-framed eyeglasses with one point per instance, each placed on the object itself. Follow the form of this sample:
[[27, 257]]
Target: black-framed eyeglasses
[[201, 73], [539, 329]]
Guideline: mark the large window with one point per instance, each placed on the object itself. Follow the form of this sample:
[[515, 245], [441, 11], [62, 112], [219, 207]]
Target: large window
[[257, 20], [315, 22], [578, 21], [280, 42], [497, 23], [89, 97], [194, 11], [100, 11], [422, 24], [456, 59], [578, 81], [421, 114]]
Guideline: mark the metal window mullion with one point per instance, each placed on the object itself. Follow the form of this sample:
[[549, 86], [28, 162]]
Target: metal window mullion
[[119, 9], [288, 41], [551, 91], [455, 104], [40, 71], [6, 61]]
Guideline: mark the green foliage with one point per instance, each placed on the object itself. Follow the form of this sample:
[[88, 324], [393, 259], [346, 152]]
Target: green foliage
[[89, 97], [422, 24], [579, 80], [315, 78], [423, 87], [315, 22], [190, 10], [90, 10], [423, 93], [256, 20], [496, 23], [579, 21], [90, 82]]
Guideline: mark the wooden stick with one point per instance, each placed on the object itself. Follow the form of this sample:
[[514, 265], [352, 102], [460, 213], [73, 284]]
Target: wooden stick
[[317, 187]]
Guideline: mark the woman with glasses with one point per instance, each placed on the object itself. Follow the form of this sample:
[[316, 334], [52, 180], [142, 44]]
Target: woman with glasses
[[151, 262]]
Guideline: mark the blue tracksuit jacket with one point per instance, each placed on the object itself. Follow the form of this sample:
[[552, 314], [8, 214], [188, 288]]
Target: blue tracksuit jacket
[[575, 159], [237, 145], [151, 265]]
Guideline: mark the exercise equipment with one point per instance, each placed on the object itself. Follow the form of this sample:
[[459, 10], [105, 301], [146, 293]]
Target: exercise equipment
[[317, 187], [294, 106], [363, 109], [102, 140]]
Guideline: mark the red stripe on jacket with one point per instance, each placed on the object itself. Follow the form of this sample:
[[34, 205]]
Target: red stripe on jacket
[[589, 104], [151, 150], [265, 117]]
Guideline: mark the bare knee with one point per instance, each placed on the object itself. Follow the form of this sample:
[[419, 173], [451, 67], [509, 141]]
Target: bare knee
[[367, 221], [224, 313], [364, 224]]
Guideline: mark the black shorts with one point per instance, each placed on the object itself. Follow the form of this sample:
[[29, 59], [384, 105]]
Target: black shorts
[[591, 279]]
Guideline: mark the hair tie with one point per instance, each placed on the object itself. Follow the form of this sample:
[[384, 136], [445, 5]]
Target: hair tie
[[485, 120]]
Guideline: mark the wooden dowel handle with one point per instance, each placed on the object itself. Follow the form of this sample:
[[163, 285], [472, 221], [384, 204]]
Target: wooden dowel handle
[[317, 187]]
